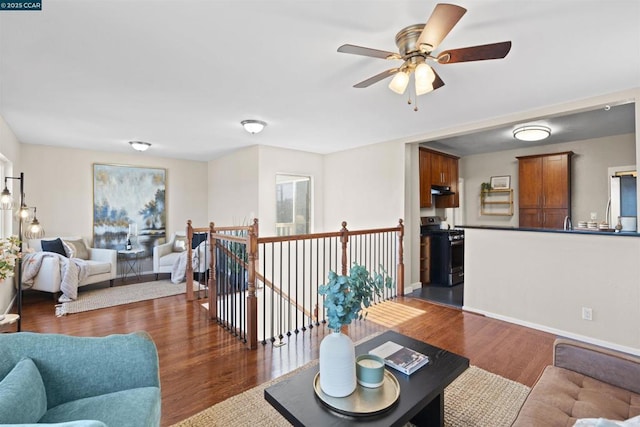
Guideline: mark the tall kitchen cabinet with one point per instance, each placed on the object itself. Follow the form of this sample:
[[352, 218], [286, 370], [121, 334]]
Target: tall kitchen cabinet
[[438, 169], [544, 190]]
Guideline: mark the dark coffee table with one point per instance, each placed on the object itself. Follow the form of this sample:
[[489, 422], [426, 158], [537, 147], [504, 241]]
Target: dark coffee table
[[421, 398]]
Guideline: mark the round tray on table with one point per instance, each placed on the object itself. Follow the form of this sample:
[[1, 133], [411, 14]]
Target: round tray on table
[[363, 401]]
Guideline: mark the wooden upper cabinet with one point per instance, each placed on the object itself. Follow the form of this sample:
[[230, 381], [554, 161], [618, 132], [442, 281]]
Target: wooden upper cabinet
[[425, 178], [555, 185], [438, 169], [450, 179], [437, 165], [544, 190], [529, 182]]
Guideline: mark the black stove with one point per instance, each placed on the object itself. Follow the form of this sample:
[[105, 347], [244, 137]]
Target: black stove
[[447, 251]]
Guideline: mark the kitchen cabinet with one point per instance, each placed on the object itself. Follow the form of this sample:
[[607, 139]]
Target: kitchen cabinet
[[438, 169], [544, 190], [425, 177], [425, 259]]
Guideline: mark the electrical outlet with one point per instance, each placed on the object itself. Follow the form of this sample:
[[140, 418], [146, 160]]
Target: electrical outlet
[[587, 313], [594, 216]]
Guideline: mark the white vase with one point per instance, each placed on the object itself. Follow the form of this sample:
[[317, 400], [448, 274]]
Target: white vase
[[337, 365]]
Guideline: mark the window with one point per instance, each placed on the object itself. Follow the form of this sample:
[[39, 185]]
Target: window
[[293, 202]]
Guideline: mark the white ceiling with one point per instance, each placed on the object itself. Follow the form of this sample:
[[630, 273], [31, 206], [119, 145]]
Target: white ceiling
[[183, 74]]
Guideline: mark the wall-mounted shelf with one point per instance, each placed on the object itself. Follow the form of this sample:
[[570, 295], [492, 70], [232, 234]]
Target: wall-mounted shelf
[[497, 202]]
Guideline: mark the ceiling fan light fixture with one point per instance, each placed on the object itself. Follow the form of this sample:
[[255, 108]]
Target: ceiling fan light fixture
[[399, 82], [421, 89], [253, 126], [531, 133], [424, 77], [140, 145], [424, 74]]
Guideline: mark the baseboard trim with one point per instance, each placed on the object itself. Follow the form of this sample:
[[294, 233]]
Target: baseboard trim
[[555, 331]]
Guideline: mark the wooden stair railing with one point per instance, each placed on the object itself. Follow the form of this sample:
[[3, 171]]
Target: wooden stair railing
[[353, 248]]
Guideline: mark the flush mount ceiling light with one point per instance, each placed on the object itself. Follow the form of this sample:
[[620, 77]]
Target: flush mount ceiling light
[[531, 133], [253, 126], [139, 145]]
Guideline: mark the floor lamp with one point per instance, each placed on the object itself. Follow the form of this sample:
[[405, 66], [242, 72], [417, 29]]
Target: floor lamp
[[33, 231]]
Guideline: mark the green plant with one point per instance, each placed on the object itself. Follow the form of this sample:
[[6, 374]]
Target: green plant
[[347, 296], [9, 254], [484, 189]]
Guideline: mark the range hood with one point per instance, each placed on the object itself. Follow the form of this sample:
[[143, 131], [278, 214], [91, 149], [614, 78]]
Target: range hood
[[441, 190]]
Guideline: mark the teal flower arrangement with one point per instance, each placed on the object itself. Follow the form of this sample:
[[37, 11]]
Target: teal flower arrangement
[[346, 297]]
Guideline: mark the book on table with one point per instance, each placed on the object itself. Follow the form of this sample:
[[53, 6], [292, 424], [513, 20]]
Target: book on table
[[399, 357]]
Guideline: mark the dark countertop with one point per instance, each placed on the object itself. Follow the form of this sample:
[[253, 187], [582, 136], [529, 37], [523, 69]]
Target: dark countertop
[[548, 230]]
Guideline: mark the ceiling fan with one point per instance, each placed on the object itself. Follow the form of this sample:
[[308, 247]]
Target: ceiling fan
[[416, 44]]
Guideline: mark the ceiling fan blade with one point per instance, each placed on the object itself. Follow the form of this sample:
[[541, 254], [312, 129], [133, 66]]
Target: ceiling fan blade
[[442, 20], [437, 82], [475, 53], [377, 78], [366, 51]]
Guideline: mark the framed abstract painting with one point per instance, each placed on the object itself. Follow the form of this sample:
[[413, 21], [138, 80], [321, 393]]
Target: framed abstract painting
[[128, 203]]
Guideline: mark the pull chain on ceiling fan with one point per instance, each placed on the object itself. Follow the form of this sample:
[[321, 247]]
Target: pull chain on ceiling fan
[[416, 44]]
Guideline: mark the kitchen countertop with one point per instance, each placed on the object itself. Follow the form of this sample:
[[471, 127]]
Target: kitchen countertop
[[548, 230]]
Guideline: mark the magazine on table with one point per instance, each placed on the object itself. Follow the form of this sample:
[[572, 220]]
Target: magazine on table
[[399, 357]]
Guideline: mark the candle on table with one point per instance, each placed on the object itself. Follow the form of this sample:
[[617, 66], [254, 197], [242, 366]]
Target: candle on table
[[369, 363]]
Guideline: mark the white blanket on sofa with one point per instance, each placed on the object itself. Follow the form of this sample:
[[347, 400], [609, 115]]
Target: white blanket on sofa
[[72, 271], [179, 268]]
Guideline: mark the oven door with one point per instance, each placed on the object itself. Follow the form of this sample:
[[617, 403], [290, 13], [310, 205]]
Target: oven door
[[457, 262]]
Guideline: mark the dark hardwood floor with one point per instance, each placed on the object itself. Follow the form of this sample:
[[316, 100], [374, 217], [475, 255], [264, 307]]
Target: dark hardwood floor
[[201, 364]]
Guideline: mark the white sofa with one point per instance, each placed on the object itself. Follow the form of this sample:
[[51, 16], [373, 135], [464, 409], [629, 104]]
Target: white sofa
[[103, 266]]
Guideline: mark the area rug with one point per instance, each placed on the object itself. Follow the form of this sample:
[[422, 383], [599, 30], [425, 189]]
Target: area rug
[[119, 295], [476, 398]]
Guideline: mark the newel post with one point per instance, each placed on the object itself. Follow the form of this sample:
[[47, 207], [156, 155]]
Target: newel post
[[213, 280], [189, 285], [252, 300], [400, 257], [344, 239]]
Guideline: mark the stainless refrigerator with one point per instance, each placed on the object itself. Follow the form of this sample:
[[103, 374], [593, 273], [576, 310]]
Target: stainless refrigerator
[[624, 202]]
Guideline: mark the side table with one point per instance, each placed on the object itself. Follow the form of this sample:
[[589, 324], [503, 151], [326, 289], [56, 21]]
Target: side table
[[8, 319], [129, 263]]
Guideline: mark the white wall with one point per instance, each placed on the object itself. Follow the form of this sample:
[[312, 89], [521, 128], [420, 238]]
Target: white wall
[[233, 187], [10, 151], [589, 183], [543, 279], [275, 161], [365, 187], [59, 182]]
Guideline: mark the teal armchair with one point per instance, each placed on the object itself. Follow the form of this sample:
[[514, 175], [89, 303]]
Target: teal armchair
[[79, 381]]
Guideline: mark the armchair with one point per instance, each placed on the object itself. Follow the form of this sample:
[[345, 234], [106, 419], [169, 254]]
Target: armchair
[[79, 381], [166, 254]]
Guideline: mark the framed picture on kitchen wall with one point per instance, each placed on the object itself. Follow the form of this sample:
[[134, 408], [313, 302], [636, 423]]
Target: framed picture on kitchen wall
[[129, 203], [501, 182]]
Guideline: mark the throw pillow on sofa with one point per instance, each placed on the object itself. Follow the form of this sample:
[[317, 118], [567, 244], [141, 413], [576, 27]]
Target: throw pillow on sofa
[[603, 422], [80, 249], [55, 246], [23, 399], [180, 244], [198, 238]]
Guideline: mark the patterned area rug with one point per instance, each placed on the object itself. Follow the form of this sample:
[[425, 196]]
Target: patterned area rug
[[119, 295], [476, 398]]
